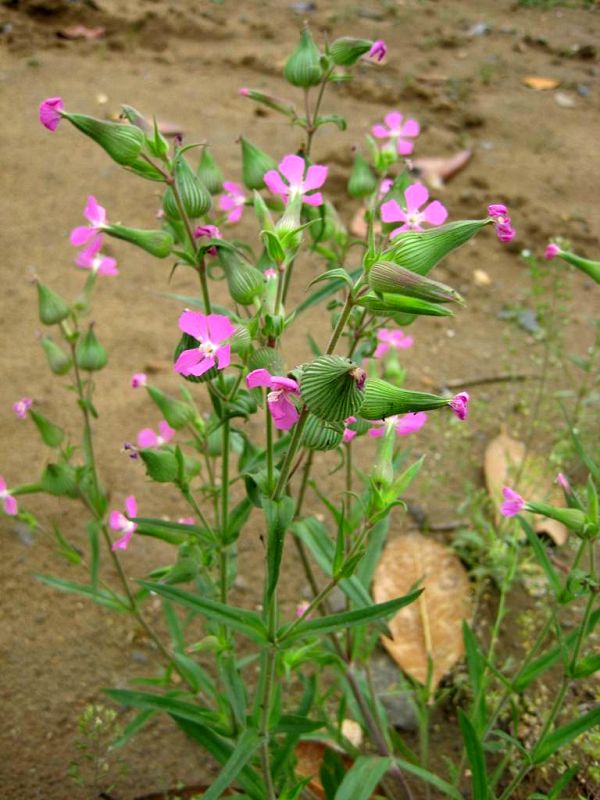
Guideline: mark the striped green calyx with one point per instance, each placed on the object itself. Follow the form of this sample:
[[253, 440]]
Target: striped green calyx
[[390, 304], [389, 277], [157, 243], [194, 195], [332, 387], [122, 142], [320, 435], [303, 67], [383, 399]]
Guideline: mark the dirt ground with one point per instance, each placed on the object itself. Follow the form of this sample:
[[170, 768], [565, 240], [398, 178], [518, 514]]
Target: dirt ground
[[457, 66]]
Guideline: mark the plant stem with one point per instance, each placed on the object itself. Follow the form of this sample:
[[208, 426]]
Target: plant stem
[[224, 508], [291, 452], [269, 429]]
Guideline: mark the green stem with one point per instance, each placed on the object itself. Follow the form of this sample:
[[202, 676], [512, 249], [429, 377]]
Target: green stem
[[224, 507], [269, 430], [291, 452]]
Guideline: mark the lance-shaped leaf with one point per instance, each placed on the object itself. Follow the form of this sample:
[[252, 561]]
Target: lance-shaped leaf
[[171, 705], [383, 399], [246, 622], [566, 733], [362, 778], [476, 757], [279, 515], [420, 251]]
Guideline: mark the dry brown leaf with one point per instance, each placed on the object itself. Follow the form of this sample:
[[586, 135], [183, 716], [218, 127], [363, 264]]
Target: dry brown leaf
[[437, 171], [309, 762], [502, 463], [539, 83], [431, 626], [81, 32]]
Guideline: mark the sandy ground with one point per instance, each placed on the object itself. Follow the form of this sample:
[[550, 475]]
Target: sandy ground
[[185, 61]]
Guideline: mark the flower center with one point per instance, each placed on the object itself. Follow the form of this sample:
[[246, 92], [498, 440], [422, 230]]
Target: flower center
[[96, 263], [207, 348], [415, 218], [128, 526]]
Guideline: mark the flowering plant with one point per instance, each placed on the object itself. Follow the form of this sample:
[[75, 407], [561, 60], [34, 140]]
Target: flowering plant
[[231, 365]]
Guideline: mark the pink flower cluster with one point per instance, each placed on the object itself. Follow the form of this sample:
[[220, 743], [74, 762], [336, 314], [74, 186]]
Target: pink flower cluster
[[22, 406], [398, 132], [504, 228], [391, 338], [121, 523], [91, 235]]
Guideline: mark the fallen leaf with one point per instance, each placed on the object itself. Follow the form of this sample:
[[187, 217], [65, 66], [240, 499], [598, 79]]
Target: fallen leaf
[[431, 627], [81, 32], [502, 463], [310, 755], [539, 83], [437, 171], [481, 278]]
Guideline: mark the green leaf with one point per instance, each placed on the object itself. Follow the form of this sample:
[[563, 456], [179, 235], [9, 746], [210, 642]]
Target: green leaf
[[244, 750], [542, 557], [562, 736], [101, 596], [279, 515], [562, 783], [445, 788], [587, 666], [237, 520], [51, 434], [324, 292], [246, 622], [347, 619], [476, 669], [475, 756], [221, 750], [333, 119], [136, 724], [297, 725], [333, 274], [157, 702], [172, 532], [362, 778]]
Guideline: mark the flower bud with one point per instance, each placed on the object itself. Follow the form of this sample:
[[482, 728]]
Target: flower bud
[[90, 354], [346, 51], [52, 308], [246, 283], [303, 67], [388, 277], [391, 304], [382, 399], [161, 465], [362, 181], [122, 142], [382, 473], [177, 413], [255, 163], [51, 434], [332, 387], [266, 358], [194, 196], [60, 480], [320, 435], [572, 518], [59, 361], [157, 243], [209, 173]]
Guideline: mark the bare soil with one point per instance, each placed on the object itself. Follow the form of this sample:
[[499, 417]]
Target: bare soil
[[185, 61]]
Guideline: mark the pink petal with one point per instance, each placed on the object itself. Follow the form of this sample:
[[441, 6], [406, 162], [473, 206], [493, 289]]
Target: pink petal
[[147, 438], [166, 431], [380, 132], [436, 213], [381, 350], [116, 520], [82, 235], [10, 505], [258, 378], [411, 128], [226, 202], [375, 432], [401, 229], [393, 119], [49, 112], [315, 199], [404, 148], [94, 212], [292, 167], [287, 384], [2, 484], [108, 266], [123, 542], [131, 506], [460, 404], [285, 414], [234, 188], [236, 214], [223, 355], [315, 177], [219, 328], [348, 435], [200, 368], [410, 423], [138, 379], [400, 341], [391, 212], [186, 360], [274, 183], [195, 324], [415, 195]]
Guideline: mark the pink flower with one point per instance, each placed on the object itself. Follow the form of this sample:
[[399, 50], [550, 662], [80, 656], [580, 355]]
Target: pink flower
[[513, 503], [148, 438], [284, 412], [8, 501], [233, 200], [120, 522], [348, 434], [378, 50], [50, 114], [208, 232], [384, 187], [186, 521], [391, 337], [22, 406], [416, 196], [460, 404], [397, 132], [90, 258], [138, 379], [563, 482], [270, 274], [293, 168], [210, 331], [244, 91], [551, 251], [403, 424], [504, 228], [96, 216], [302, 608]]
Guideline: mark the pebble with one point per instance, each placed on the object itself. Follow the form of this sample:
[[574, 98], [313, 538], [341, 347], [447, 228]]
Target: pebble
[[583, 90], [398, 703], [564, 100], [479, 29]]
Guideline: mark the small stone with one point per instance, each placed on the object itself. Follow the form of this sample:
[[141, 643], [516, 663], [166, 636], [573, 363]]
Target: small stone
[[139, 657], [564, 100], [479, 29], [583, 90], [481, 278], [398, 703]]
